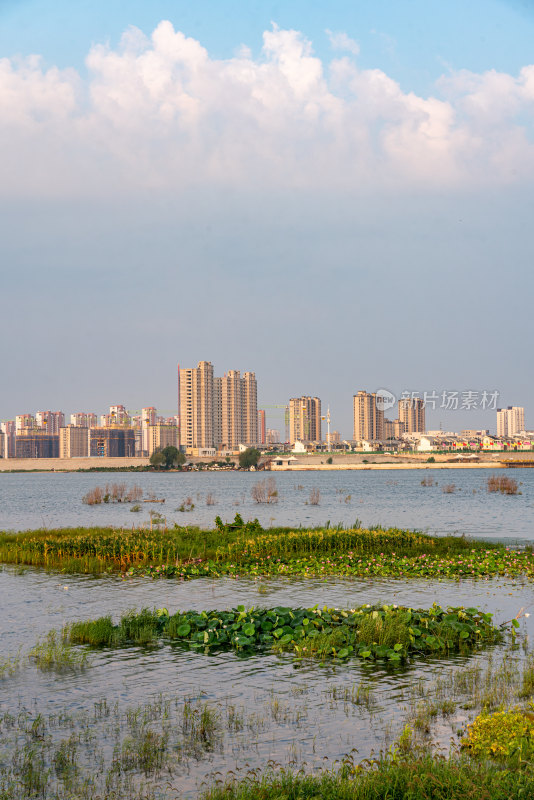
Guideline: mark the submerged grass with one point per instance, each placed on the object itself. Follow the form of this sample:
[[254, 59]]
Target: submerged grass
[[55, 653], [246, 549]]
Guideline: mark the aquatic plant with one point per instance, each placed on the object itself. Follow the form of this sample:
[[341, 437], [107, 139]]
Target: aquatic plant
[[369, 632], [506, 735], [502, 484], [244, 548], [53, 652], [400, 774]]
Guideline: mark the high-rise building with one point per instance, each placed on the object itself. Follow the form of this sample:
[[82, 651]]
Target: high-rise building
[[510, 421], [304, 419], [217, 411], [112, 442], [393, 429], [228, 410], [24, 421], [249, 409], [262, 431], [196, 400], [160, 436], [36, 444], [84, 419], [368, 418], [73, 442], [8, 433], [272, 436], [148, 418], [412, 414], [50, 421]]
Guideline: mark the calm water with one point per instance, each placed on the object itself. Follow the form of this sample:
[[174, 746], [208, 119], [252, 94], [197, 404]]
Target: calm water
[[392, 498], [292, 716], [301, 721]]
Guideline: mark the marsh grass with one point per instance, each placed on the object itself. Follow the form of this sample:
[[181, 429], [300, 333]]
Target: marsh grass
[[502, 484], [189, 551], [55, 653], [9, 665], [413, 775], [356, 695]]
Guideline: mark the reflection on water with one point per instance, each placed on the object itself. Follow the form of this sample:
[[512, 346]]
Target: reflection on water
[[391, 498], [297, 710]]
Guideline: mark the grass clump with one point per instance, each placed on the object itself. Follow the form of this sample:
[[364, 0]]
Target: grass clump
[[502, 484], [396, 777], [54, 652], [139, 628]]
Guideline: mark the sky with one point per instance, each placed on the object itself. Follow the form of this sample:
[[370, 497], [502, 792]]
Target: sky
[[335, 196]]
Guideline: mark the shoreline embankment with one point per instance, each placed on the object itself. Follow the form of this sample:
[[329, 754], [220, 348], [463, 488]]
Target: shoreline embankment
[[315, 462]]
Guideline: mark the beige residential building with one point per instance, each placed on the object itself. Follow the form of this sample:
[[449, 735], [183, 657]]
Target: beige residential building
[[510, 421], [393, 428], [73, 442], [146, 420], [24, 421], [304, 419], [217, 412], [50, 421], [228, 410], [83, 419], [412, 414], [249, 389], [196, 401], [160, 436], [368, 418]]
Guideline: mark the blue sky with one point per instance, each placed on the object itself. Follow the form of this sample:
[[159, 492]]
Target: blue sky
[[345, 204], [415, 41]]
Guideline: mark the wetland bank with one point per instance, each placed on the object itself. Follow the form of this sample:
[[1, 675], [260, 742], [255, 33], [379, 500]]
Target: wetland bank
[[173, 703]]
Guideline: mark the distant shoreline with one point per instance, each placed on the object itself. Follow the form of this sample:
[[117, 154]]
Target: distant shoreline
[[62, 466]]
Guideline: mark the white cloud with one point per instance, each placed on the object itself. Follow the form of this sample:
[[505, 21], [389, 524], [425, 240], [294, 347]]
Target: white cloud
[[160, 112], [340, 41]]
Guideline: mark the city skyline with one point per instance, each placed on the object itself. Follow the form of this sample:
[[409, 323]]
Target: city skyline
[[300, 417]]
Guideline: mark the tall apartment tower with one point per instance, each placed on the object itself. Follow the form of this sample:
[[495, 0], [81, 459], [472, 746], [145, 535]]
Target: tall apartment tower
[[249, 390], [262, 431], [304, 419], [73, 442], [196, 404], [50, 421], [83, 419], [24, 421], [148, 418], [510, 421], [217, 411], [228, 410], [368, 418], [412, 414]]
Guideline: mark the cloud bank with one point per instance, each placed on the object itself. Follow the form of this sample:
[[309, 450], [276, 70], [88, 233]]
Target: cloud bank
[[158, 112]]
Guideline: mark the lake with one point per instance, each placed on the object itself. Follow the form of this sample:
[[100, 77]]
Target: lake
[[389, 498]]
